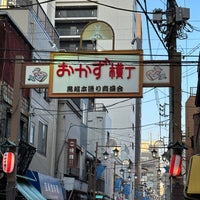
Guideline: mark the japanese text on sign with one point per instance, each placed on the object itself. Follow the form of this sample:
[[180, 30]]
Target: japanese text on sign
[[82, 74], [115, 71], [71, 162]]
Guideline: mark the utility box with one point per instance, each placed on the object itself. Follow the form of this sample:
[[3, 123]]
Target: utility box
[[182, 14], [157, 16]]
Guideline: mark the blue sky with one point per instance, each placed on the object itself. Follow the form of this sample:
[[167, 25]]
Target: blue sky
[[152, 97]]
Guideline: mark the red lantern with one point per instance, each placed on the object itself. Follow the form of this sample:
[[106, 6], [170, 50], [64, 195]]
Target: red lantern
[[175, 165], [8, 162]]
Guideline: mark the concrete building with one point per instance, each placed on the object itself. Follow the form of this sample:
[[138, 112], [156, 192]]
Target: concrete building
[[98, 140], [32, 38], [193, 144], [190, 111]]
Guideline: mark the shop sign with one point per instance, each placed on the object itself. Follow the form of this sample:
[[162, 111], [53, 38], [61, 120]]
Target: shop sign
[[96, 74], [35, 75], [157, 74], [71, 158], [50, 187]]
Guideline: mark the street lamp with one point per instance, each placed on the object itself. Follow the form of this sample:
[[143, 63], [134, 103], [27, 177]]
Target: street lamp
[[165, 155], [121, 171], [105, 155], [116, 152], [129, 169], [159, 172], [155, 152], [129, 178], [125, 175], [135, 176]]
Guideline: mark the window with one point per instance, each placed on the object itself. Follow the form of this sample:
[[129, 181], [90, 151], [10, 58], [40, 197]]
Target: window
[[84, 108], [24, 129], [8, 124], [32, 133], [42, 138], [44, 93], [74, 12]]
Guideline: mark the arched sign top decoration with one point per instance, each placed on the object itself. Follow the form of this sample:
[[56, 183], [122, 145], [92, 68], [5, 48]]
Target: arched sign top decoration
[[97, 30]]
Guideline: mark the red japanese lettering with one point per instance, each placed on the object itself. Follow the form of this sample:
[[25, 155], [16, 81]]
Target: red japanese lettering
[[82, 70], [129, 71], [119, 70], [112, 71], [97, 72], [63, 67]]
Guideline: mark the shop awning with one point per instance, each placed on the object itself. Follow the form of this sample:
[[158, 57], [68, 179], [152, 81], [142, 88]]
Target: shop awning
[[29, 191]]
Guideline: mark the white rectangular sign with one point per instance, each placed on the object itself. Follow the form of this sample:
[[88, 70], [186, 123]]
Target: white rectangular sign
[[157, 74], [99, 74], [36, 75]]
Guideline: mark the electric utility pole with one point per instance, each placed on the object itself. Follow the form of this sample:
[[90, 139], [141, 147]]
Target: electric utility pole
[[15, 127], [174, 20], [171, 27]]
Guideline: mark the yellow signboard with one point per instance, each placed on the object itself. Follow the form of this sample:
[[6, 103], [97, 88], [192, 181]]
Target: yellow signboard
[[193, 186]]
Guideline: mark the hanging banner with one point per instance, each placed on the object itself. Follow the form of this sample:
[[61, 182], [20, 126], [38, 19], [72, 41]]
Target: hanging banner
[[127, 189], [118, 184], [96, 74], [100, 169]]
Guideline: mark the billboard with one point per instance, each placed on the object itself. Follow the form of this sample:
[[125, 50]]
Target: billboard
[[96, 74]]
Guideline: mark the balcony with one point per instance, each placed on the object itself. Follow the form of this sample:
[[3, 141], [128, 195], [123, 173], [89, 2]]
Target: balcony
[[35, 7]]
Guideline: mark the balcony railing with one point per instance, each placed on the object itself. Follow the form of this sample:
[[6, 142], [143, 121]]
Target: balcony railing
[[35, 6]]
